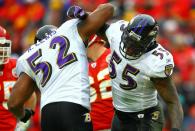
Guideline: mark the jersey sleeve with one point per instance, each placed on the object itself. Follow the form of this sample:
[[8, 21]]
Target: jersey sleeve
[[23, 67], [70, 26], [162, 64], [109, 30]]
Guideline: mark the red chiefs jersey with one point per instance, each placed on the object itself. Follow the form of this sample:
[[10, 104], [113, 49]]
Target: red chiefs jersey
[[7, 80], [100, 93]]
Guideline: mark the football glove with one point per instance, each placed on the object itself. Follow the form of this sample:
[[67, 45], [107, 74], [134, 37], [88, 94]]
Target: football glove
[[21, 126], [77, 12], [28, 114]]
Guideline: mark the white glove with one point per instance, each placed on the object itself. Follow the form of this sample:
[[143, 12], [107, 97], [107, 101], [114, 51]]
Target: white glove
[[21, 126]]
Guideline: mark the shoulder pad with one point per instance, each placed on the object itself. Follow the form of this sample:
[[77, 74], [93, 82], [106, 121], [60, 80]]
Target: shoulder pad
[[115, 29], [69, 23], [118, 24], [161, 62]]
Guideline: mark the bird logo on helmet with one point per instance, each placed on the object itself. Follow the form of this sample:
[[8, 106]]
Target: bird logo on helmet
[[138, 36], [5, 46]]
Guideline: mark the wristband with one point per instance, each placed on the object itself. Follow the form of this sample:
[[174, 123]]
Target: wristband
[[27, 115]]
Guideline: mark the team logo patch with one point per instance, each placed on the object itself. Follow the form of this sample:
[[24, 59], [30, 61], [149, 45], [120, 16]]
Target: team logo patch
[[87, 117], [155, 115], [168, 70]]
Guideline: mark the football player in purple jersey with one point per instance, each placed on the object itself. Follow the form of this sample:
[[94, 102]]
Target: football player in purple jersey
[[57, 66], [140, 69]]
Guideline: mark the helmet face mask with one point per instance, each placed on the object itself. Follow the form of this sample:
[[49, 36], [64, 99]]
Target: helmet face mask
[[5, 46], [131, 48], [137, 37], [5, 52]]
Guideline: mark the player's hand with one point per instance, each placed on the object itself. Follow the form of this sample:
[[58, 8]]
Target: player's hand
[[28, 114], [76, 12], [21, 126]]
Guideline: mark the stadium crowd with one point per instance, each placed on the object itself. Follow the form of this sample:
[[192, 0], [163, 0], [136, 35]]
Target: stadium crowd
[[176, 18]]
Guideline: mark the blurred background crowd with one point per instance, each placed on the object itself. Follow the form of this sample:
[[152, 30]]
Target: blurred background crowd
[[176, 18]]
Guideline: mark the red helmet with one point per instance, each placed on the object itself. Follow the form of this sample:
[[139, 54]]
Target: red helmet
[[5, 46], [93, 39]]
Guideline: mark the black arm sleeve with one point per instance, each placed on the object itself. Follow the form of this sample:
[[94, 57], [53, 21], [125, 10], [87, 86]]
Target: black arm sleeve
[[102, 30], [102, 33]]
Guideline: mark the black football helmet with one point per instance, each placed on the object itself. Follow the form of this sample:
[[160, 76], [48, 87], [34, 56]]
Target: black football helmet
[[43, 32], [138, 36]]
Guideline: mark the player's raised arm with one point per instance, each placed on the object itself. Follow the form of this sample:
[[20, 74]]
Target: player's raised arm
[[168, 92], [91, 23]]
